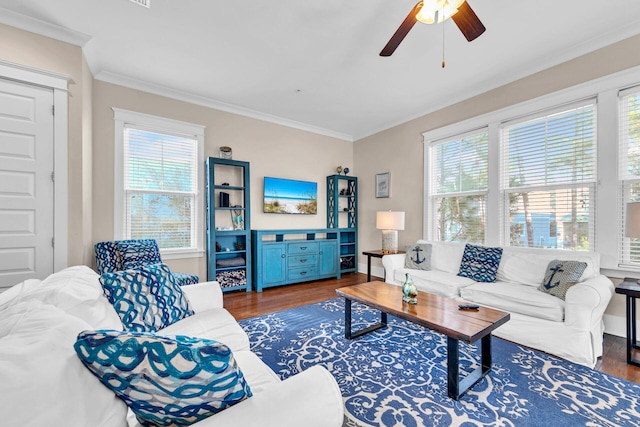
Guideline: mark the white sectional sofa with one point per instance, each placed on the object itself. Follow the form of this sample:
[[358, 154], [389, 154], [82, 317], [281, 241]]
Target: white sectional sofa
[[45, 383], [572, 328]]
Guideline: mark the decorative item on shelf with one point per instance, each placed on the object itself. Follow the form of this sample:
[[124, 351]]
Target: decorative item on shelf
[[236, 218], [218, 247], [389, 222], [346, 171], [345, 209], [409, 290], [224, 200], [225, 153], [239, 246], [339, 170]]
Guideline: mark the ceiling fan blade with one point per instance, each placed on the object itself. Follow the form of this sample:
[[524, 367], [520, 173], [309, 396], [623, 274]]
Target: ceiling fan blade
[[402, 31], [468, 22]]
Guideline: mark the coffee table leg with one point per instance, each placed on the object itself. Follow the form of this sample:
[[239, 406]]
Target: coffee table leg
[[455, 386], [348, 334]]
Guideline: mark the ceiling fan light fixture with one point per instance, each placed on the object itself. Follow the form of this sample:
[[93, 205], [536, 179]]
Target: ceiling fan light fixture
[[433, 11]]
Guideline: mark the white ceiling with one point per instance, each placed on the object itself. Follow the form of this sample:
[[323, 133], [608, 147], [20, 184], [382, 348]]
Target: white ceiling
[[315, 65]]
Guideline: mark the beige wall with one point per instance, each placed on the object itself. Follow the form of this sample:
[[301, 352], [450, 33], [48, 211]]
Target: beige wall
[[43, 53], [272, 150], [400, 150]]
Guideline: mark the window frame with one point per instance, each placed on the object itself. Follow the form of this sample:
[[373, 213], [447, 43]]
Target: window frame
[[548, 187], [433, 195], [608, 226], [125, 118], [625, 245]]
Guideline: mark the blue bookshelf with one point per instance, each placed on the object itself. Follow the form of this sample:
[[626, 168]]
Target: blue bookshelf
[[342, 214], [228, 224]]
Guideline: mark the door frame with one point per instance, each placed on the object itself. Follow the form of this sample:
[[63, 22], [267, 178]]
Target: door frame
[[59, 83]]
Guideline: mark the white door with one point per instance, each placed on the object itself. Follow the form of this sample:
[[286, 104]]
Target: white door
[[26, 182]]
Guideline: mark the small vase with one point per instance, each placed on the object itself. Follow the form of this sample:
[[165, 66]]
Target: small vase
[[409, 291]]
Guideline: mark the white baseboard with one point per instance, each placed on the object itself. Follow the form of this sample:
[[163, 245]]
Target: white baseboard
[[377, 272], [616, 325]]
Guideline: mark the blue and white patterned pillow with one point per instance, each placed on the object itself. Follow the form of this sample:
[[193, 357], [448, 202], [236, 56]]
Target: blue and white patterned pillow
[[146, 299], [480, 263], [166, 381], [136, 254]]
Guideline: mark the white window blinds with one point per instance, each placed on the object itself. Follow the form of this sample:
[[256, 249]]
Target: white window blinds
[[548, 164], [459, 185], [629, 173], [160, 187]]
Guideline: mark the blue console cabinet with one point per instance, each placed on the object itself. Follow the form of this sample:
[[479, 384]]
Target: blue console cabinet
[[282, 257]]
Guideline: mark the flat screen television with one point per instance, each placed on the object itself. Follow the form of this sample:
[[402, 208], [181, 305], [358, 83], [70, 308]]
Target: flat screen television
[[289, 196]]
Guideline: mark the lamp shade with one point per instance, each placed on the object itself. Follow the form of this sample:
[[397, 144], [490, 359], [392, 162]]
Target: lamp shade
[[390, 220], [632, 225]]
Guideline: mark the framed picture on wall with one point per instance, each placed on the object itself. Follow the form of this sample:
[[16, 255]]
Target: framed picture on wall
[[383, 184]]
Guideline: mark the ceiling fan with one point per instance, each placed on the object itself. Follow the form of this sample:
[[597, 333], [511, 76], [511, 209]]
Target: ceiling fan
[[436, 11]]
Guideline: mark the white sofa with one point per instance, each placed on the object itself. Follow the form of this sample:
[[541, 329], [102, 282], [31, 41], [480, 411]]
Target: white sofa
[[572, 328], [45, 383]]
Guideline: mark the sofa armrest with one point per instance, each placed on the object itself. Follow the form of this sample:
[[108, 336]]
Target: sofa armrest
[[586, 301], [311, 399], [204, 296], [391, 263]]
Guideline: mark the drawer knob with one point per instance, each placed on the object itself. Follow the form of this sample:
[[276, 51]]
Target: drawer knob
[[303, 248], [282, 256], [303, 260], [302, 273]]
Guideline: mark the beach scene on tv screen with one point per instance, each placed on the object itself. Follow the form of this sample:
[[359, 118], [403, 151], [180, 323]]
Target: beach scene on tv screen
[[290, 196]]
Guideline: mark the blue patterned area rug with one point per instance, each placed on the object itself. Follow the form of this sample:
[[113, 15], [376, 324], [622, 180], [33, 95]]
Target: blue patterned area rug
[[397, 376]]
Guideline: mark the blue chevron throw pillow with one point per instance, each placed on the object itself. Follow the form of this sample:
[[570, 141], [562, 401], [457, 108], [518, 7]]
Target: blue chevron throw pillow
[[166, 381], [146, 299], [480, 263]]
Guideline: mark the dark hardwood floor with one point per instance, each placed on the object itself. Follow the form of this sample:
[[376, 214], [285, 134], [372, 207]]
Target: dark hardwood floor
[[243, 305]]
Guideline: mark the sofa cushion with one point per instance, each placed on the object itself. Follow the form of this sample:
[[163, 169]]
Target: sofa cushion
[[165, 381], [435, 281], [480, 263], [215, 324], [75, 290], [146, 299], [560, 276], [136, 254], [257, 374], [43, 382], [445, 256], [515, 298], [529, 265], [418, 257]]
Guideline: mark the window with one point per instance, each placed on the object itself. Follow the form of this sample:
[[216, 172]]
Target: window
[[548, 169], [459, 186], [158, 176], [629, 170]]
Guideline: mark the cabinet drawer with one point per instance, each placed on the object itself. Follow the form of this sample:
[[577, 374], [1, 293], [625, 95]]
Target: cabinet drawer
[[302, 273], [303, 260], [303, 248]]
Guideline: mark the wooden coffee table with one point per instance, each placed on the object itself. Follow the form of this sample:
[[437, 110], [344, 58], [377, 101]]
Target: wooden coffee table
[[440, 314]]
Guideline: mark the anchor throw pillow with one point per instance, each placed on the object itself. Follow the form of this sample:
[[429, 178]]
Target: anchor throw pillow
[[560, 276], [418, 257], [166, 381]]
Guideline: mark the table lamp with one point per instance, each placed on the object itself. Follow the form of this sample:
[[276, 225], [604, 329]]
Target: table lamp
[[389, 222]]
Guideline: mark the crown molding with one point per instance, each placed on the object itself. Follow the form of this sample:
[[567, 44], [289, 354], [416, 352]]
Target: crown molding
[[43, 28], [191, 98]]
